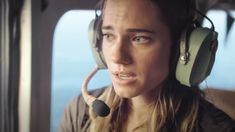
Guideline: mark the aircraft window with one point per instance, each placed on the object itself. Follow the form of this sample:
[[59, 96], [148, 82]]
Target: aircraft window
[[222, 75], [72, 61]]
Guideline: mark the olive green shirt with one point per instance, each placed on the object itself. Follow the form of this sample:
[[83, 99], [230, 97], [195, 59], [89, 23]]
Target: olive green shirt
[[210, 118]]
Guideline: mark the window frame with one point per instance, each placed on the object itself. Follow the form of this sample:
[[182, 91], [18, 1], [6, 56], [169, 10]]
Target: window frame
[[44, 20], [45, 15]]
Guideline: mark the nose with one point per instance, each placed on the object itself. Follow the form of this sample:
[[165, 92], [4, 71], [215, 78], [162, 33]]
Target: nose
[[121, 53]]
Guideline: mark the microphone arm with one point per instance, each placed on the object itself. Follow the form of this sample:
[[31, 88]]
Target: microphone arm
[[98, 106]]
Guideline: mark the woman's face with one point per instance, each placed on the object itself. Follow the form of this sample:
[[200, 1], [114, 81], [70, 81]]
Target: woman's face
[[136, 46]]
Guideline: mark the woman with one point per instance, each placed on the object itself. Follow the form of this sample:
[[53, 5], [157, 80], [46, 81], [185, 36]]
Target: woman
[[139, 41]]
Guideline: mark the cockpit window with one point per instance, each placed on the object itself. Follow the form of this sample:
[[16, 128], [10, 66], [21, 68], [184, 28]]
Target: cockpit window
[[72, 61], [222, 75]]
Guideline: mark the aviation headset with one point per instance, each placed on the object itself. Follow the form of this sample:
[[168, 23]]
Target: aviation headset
[[197, 50]]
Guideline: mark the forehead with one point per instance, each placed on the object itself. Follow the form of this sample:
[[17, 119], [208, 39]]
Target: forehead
[[137, 12]]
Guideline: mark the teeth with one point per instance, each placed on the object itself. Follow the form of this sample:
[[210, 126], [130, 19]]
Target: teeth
[[123, 76]]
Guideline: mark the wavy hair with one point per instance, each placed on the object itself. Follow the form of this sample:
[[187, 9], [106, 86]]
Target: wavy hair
[[176, 106]]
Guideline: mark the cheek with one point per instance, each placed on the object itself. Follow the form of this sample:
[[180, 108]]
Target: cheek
[[106, 54], [155, 67]]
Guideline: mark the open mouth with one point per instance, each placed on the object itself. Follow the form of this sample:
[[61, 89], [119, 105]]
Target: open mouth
[[124, 78]]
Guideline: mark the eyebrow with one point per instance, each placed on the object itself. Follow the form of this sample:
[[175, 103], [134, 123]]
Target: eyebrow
[[130, 30], [141, 30], [107, 28]]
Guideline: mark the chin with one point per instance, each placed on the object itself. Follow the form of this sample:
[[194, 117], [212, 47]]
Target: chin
[[125, 92]]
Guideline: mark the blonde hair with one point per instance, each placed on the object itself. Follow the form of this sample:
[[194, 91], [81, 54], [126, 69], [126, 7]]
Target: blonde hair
[[176, 106]]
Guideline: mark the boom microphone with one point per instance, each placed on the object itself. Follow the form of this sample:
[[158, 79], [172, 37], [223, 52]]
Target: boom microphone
[[98, 106]]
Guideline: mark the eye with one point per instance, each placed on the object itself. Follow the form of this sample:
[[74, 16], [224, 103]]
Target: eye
[[108, 37], [141, 39]]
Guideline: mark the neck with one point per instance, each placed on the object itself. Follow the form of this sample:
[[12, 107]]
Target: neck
[[140, 109], [142, 104], [144, 100], [139, 112], [139, 106]]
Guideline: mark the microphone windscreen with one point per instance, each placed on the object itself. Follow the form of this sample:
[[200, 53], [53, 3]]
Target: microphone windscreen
[[100, 108]]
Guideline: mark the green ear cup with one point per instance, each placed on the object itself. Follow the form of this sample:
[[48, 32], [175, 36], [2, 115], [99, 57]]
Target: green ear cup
[[95, 42], [196, 64]]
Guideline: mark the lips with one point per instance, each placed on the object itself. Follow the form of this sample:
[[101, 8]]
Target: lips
[[124, 77]]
